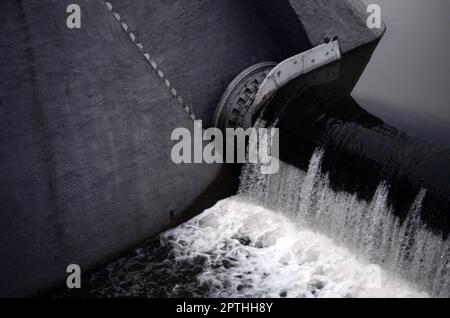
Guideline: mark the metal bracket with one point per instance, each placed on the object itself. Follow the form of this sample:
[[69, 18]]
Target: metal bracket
[[253, 88], [294, 67]]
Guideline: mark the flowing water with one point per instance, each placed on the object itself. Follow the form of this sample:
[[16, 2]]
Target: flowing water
[[287, 235], [293, 234], [369, 229]]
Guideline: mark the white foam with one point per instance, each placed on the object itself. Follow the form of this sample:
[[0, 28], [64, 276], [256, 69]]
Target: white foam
[[252, 251], [369, 228]]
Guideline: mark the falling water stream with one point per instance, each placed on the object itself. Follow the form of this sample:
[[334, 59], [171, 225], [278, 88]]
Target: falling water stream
[[287, 235], [370, 229], [305, 232]]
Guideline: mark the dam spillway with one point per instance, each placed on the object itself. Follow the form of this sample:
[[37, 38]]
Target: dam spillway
[[370, 228], [268, 242], [85, 146], [307, 232]]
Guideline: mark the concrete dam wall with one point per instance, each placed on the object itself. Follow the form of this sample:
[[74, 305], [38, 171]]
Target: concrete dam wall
[[86, 121]]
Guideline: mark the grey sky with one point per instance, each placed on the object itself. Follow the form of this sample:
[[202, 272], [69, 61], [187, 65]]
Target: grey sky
[[409, 74]]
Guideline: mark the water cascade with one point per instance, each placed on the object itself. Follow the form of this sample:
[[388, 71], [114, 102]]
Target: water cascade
[[369, 228]]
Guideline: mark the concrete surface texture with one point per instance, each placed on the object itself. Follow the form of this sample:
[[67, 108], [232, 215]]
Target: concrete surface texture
[[85, 165], [329, 18]]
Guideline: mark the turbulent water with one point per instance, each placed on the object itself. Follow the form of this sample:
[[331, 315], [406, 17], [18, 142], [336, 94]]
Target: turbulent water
[[369, 229], [240, 249], [300, 239], [262, 253]]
